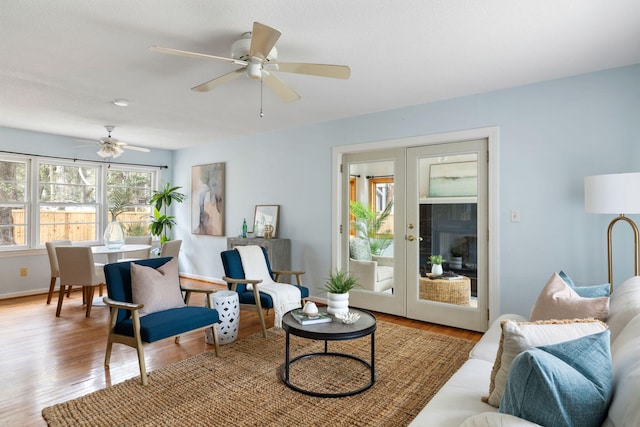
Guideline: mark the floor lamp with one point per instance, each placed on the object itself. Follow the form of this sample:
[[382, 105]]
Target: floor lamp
[[614, 194]]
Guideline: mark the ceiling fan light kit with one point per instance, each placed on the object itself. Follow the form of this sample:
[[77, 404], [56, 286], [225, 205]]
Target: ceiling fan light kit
[[255, 52], [111, 147], [106, 152]]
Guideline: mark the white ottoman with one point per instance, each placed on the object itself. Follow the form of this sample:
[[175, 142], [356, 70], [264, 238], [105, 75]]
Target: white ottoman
[[226, 302]]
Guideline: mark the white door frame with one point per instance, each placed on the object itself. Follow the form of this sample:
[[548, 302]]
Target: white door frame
[[491, 134]]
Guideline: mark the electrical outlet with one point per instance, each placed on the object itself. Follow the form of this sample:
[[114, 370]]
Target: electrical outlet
[[515, 215], [23, 271]]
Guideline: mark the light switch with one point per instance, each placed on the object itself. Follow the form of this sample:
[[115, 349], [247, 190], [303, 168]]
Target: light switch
[[515, 215]]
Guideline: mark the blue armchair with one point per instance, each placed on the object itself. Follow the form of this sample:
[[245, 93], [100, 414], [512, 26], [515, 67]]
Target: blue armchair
[[249, 296], [131, 328]]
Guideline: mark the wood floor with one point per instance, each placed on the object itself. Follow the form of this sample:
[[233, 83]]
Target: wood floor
[[46, 360]]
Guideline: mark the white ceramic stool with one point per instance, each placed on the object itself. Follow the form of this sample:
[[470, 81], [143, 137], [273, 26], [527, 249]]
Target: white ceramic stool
[[226, 302]]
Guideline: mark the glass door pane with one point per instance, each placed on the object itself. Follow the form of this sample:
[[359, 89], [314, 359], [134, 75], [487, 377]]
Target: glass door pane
[[371, 235], [446, 216]]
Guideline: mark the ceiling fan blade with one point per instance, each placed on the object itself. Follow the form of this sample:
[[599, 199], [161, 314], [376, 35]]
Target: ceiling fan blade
[[134, 148], [188, 54], [85, 143], [322, 70], [211, 84], [263, 38], [280, 88]]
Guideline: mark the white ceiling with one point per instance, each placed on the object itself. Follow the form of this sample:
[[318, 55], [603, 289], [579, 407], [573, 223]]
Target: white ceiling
[[63, 62]]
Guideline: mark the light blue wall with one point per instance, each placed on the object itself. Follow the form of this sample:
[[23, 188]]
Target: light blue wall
[[36, 261], [552, 135]]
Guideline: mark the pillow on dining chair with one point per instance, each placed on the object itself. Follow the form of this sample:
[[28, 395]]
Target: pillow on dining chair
[[158, 289]]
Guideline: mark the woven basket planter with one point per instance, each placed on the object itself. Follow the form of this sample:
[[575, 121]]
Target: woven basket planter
[[450, 291]]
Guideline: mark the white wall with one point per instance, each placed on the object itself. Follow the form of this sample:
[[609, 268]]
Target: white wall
[[552, 135]]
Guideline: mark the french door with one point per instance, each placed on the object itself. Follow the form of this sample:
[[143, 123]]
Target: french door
[[374, 251], [421, 201]]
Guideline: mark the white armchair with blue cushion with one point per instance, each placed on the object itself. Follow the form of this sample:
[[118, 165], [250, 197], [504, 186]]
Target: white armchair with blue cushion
[[374, 273]]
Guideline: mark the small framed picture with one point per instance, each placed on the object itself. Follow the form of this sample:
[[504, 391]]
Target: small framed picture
[[266, 215]]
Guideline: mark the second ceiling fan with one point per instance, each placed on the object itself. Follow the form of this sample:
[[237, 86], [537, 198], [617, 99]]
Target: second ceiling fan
[[257, 56]]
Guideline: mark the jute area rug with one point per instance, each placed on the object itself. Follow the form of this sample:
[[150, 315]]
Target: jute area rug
[[242, 387]]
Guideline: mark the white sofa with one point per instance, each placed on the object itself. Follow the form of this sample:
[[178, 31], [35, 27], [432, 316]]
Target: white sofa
[[459, 402]]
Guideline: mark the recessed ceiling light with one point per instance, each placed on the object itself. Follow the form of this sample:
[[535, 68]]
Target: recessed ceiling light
[[121, 102]]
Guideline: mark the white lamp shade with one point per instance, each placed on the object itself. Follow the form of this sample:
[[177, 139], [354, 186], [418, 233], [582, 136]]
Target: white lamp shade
[[612, 194]]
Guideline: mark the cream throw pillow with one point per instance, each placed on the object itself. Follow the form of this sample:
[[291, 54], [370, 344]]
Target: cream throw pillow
[[558, 301], [520, 336], [158, 289]]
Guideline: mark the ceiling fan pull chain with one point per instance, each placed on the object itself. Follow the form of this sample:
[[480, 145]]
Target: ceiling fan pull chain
[[261, 114]]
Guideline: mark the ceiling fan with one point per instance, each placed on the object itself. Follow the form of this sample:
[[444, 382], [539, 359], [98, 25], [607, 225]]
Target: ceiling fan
[[111, 147], [257, 56]]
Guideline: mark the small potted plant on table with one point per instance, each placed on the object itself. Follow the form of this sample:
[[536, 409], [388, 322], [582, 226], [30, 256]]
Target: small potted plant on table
[[338, 286], [436, 264]]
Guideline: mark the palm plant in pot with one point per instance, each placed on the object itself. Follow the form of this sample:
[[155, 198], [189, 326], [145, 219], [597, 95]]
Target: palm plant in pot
[[161, 200], [338, 286], [368, 225], [114, 233]]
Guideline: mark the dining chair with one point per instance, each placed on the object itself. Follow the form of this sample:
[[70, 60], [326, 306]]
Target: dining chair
[[53, 264], [171, 248], [137, 255], [78, 269]]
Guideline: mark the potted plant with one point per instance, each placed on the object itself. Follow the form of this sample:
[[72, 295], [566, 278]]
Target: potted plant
[[436, 264], [338, 286], [456, 257], [367, 224], [161, 200]]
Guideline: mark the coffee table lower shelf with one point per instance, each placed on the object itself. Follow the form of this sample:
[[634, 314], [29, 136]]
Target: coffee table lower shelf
[[284, 373]]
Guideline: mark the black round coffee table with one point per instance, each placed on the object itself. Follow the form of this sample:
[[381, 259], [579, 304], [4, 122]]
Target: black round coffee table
[[333, 331]]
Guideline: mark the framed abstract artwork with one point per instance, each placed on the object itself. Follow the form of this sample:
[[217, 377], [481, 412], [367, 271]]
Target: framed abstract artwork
[[207, 199], [266, 215]]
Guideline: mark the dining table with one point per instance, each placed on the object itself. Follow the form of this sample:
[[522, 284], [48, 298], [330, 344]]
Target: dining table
[[113, 254]]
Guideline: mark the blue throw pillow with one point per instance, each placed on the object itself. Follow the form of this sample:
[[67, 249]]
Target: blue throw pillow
[[566, 384], [595, 291]]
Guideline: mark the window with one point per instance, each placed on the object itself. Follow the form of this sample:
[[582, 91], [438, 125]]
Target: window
[[45, 199], [14, 209], [381, 202], [67, 199], [128, 195]]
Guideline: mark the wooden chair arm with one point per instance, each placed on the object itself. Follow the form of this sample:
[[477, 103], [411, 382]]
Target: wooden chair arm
[[278, 273], [198, 290], [187, 294], [232, 280], [120, 304], [287, 272], [234, 284]]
